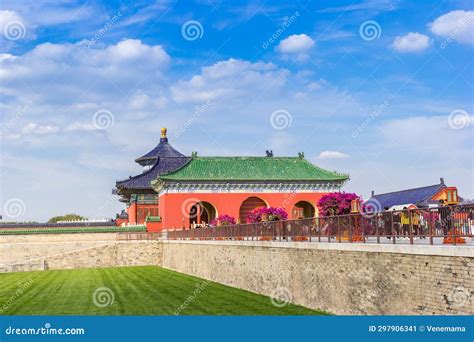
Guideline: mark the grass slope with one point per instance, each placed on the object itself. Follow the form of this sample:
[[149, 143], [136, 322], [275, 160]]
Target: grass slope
[[146, 290]]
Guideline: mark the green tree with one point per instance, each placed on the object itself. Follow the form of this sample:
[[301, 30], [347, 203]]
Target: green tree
[[67, 217]]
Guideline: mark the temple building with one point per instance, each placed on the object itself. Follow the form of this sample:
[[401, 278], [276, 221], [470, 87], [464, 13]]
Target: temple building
[[176, 191], [424, 197], [141, 199]]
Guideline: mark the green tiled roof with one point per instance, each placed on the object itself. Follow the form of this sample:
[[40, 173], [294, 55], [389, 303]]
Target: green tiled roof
[[153, 219], [251, 169]]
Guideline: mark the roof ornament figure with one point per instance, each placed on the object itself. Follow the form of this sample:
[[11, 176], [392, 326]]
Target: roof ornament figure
[[163, 134]]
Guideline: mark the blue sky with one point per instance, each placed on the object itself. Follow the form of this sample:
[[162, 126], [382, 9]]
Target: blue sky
[[382, 90]]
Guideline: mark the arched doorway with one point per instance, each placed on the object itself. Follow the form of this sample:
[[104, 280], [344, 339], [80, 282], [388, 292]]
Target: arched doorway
[[248, 205], [303, 209], [202, 213]]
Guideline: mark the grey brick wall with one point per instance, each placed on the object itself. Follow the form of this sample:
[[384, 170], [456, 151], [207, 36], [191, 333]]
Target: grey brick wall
[[62, 251], [340, 281]]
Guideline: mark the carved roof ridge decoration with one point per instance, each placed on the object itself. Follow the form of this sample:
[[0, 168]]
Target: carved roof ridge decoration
[[161, 186]]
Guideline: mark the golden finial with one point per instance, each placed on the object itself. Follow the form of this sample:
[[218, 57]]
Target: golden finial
[[163, 132]]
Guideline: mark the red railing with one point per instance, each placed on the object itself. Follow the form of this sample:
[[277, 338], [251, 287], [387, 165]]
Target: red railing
[[449, 224]]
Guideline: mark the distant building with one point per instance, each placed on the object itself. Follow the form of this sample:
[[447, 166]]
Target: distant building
[[424, 197], [178, 191]]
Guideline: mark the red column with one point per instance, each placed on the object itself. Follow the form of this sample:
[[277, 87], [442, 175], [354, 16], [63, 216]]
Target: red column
[[198, 213]]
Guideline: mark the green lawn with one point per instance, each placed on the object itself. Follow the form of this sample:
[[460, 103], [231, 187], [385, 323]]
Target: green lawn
[[146, 290]]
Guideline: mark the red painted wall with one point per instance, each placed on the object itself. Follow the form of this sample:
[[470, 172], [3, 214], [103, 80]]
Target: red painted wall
[[137, 213], [119, 222], [173, 207], [132, 213], [153, 226], [144, 210]]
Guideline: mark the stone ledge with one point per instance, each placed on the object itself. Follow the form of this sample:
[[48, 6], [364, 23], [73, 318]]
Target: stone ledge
[[461, 251]]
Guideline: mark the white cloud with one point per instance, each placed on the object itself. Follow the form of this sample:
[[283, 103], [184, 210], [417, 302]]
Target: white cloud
[[13, 29], [456, 25], [6, 56], [230, 79], [49, 13], [296, 47], [425, 132], [8, 17], [68, 72], [134, 50], [26, 18], [296, 44], [333, 155], [80, 126], [411, 42], [33, 128], [68, 83]]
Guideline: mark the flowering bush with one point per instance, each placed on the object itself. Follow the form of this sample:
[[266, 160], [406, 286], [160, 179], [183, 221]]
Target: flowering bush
[[223, 220], [336, 203], [267, 214]]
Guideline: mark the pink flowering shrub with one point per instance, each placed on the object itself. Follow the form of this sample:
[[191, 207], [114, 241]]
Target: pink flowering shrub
[[267, 214], [336, 203], [223, 220]]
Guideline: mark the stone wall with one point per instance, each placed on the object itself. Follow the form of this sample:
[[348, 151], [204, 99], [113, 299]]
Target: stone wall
[[73, 237], [60, 251], [349, 279], [340, 278], [124, 253]]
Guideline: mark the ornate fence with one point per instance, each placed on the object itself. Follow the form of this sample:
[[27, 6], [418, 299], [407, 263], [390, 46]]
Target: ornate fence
[[450, 224]]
